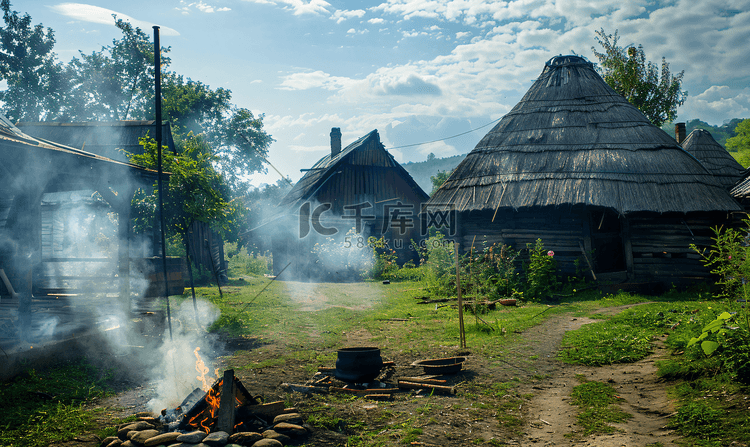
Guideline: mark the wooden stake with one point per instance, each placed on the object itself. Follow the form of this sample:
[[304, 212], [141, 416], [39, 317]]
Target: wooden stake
[[225, 421], [460, 303]]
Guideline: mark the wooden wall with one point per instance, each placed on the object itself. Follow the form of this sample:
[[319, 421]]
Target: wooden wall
[[652, 247], [661, 245], [561, 231]]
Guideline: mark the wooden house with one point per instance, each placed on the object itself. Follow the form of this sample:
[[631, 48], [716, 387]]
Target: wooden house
[[357, 192], [33, 172], [575, 164], [112, 139]]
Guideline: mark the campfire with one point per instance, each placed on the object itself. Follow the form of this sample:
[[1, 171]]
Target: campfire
[[226, 413]]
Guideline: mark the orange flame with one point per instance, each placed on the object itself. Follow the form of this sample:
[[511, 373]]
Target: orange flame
[[207, 418], [202, 369]]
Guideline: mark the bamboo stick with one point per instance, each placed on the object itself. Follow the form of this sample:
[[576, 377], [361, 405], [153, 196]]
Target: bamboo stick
[[436, 388]]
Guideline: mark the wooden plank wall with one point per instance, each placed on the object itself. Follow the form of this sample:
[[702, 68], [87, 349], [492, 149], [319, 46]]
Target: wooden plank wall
[[560, 232], [661, 245]]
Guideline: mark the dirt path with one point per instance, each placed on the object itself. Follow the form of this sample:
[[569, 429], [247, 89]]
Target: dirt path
[[551, 418]]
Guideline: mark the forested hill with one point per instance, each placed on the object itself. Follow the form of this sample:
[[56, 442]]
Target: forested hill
[[422, 171]]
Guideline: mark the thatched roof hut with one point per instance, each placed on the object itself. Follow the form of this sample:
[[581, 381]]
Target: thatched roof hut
[[361, 186], [701, 145], [575, 164]]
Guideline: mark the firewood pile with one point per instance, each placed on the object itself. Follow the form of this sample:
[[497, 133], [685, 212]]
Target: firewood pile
[[214, 422], [325, 381]]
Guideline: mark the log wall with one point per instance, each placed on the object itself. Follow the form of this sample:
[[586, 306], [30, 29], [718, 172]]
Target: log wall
[[661, 245], [560, 232]]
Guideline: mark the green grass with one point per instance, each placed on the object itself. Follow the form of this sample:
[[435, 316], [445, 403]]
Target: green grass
[[316, 318], [597, 407], [43, 407]]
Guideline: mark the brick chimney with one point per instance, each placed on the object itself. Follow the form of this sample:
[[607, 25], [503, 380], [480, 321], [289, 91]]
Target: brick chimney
[[679, 132], [335, 141]]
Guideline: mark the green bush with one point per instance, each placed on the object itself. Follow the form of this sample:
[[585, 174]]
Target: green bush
[[541, 278], [728, 335], [242, 263]]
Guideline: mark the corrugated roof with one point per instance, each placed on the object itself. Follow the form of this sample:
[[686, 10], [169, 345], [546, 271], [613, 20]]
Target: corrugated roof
[[572, 140], [106, 138], [12, 134], [701, 145]]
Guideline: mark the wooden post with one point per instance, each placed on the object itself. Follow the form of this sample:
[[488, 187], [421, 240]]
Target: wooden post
[[225, 421], [123, 240], [460, 302]]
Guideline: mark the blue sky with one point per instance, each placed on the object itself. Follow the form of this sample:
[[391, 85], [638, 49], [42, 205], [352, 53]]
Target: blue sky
[[416, 70]]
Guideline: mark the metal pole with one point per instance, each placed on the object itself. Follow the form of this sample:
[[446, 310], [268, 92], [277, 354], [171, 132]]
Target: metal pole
[[157, 99]]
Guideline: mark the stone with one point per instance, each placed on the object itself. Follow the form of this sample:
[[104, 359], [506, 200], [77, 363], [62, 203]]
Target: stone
[[291, 418], [140, 437], [289, 429], [127, 444], [122, 433], [268, 442], [194, 437], [164, 438], [271, 434], [216, 439], [246, 438], [117, 442], [105, 442]]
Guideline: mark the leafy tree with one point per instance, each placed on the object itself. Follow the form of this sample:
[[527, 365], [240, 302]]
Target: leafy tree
[[116, 83], [36, 81], [740, 143], [654, 92], [235, 135], [196, 191], [438, 180]]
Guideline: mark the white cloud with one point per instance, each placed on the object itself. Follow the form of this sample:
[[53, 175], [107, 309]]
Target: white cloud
[[299, 7], [200, 6], [342, 15], [461, 34], [720, 102], [376, 21], [315, 79], [97, 14]]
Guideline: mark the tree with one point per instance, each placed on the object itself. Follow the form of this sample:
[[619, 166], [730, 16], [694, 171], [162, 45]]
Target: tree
[[116, 83], [740, 143], [654, 92], [235, 135], [196, 191], [36, 81], [438, 180]]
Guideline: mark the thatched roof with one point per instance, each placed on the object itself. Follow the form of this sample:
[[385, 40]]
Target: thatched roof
[[701, 145], [362, 171], [572, 140]]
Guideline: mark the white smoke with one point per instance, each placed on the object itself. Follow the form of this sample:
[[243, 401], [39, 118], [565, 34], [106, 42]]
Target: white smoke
[[174, 373]]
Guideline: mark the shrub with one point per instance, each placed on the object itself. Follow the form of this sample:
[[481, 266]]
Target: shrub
[[242, 263], [541, 278]]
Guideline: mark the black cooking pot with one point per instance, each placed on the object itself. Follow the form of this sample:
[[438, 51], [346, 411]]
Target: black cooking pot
[[358, 365]]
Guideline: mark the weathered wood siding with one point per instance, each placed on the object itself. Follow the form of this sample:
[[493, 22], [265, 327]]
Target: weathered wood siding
[[560, 231], [661, 245]]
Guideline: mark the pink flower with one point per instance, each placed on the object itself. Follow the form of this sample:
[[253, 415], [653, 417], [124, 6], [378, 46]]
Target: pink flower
[[730, 256], [550, 253]]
